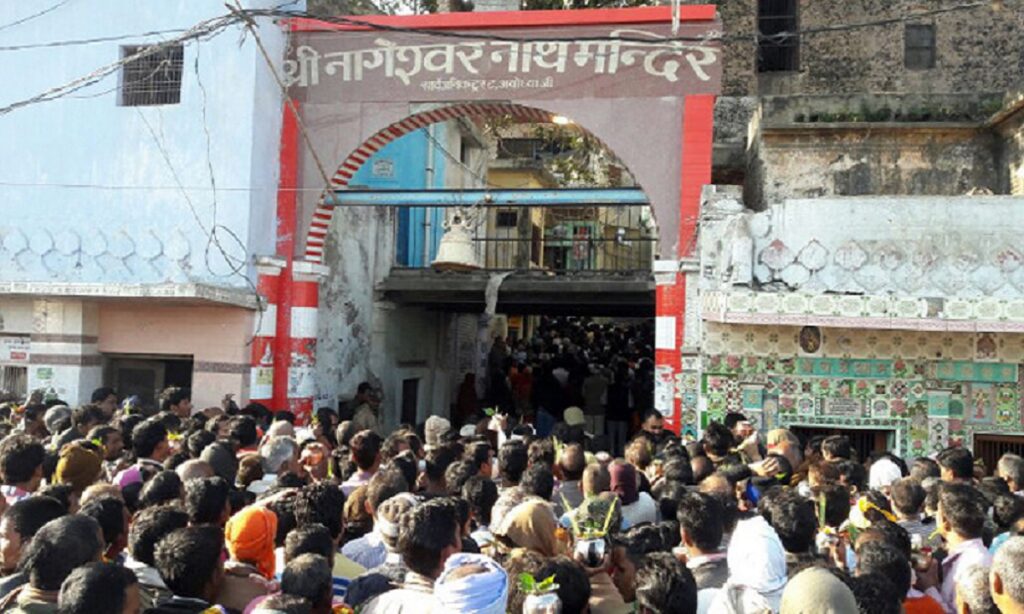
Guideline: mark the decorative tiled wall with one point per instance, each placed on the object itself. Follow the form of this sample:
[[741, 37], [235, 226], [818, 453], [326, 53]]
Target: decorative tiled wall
[[933, 389]]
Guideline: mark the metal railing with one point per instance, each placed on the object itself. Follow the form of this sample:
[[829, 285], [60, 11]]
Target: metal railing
[[556, 240]]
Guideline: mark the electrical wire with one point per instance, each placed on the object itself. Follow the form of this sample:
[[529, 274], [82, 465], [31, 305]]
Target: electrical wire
[[90, 41], [710, 37], [352, 21], [201, 30], [34, 15], [213, 26]]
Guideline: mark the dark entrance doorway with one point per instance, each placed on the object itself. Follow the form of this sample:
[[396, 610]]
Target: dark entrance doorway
[[145, 376], [990, 447], [863, 441]]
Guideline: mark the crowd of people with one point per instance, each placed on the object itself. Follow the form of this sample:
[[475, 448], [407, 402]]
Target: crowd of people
[[602, 371], [114, 508]]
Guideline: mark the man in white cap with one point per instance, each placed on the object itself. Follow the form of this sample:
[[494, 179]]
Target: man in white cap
[[883, 474], [435, 429]]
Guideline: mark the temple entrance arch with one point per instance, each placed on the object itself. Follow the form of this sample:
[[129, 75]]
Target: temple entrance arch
[[645, 91]]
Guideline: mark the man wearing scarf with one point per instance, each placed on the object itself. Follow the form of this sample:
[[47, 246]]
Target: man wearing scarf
[[472, 583]]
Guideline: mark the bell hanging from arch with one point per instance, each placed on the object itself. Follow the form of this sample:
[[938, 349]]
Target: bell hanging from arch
[[456, 251]]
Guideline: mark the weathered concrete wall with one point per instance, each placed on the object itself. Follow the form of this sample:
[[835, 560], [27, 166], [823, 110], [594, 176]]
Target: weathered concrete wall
[[877, 245], [1011, 147], [360, 251], [845, 160], [363, 337]]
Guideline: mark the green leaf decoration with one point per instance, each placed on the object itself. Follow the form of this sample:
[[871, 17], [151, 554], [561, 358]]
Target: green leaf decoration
[[546, 584], [527, 583]]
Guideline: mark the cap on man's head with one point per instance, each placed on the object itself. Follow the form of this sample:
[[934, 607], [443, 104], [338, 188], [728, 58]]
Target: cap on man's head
[[573, 416], [435, 429]]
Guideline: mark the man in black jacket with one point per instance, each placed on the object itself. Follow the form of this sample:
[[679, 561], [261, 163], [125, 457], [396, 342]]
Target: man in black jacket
[[191, 564]]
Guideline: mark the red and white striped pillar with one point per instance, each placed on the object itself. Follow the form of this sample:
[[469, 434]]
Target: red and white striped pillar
[[299, 344], [261, 374], [670, 283]]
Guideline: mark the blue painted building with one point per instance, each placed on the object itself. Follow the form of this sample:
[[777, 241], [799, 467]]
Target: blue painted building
[[130, 209], [416, 161]]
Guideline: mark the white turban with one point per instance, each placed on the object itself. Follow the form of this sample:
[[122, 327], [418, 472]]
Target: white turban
[[482, 593], [883, 473], [757, 568]]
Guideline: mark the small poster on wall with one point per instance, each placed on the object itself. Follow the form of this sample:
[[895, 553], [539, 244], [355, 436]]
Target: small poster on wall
[[664, 390], [14, 349]]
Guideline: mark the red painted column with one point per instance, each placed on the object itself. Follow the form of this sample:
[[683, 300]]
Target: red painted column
[[287, 223], [301, 340], [261, 375], [670, 284]]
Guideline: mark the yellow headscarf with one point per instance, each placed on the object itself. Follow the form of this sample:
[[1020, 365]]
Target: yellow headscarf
[[531, 525]]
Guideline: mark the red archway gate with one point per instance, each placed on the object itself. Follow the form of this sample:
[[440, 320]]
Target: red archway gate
[[646, 90]]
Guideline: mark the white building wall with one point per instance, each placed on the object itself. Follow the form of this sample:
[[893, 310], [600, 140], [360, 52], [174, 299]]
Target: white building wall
[[90, 195]]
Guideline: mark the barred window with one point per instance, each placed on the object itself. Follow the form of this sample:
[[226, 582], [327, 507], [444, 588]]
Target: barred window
[[152, 79], [919, 47], [779, 49]]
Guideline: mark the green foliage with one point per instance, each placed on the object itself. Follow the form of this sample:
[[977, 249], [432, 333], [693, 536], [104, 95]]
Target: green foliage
[[529, 585]]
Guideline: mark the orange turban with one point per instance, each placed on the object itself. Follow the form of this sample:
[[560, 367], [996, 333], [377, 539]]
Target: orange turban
[[250, 536]]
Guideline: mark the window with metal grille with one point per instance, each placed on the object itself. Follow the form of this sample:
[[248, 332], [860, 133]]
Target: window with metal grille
[[14, 381], [778, 49], [507, 219], [152, 79], [919, 47]]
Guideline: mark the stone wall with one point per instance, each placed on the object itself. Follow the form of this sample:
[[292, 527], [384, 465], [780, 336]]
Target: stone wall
[[976, 50], [739, 66]]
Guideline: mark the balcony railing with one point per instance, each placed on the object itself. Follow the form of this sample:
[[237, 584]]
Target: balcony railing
[[558, 240]]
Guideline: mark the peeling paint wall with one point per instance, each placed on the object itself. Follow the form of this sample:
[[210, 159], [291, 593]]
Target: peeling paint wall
[[850, 161], [360, 252]]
